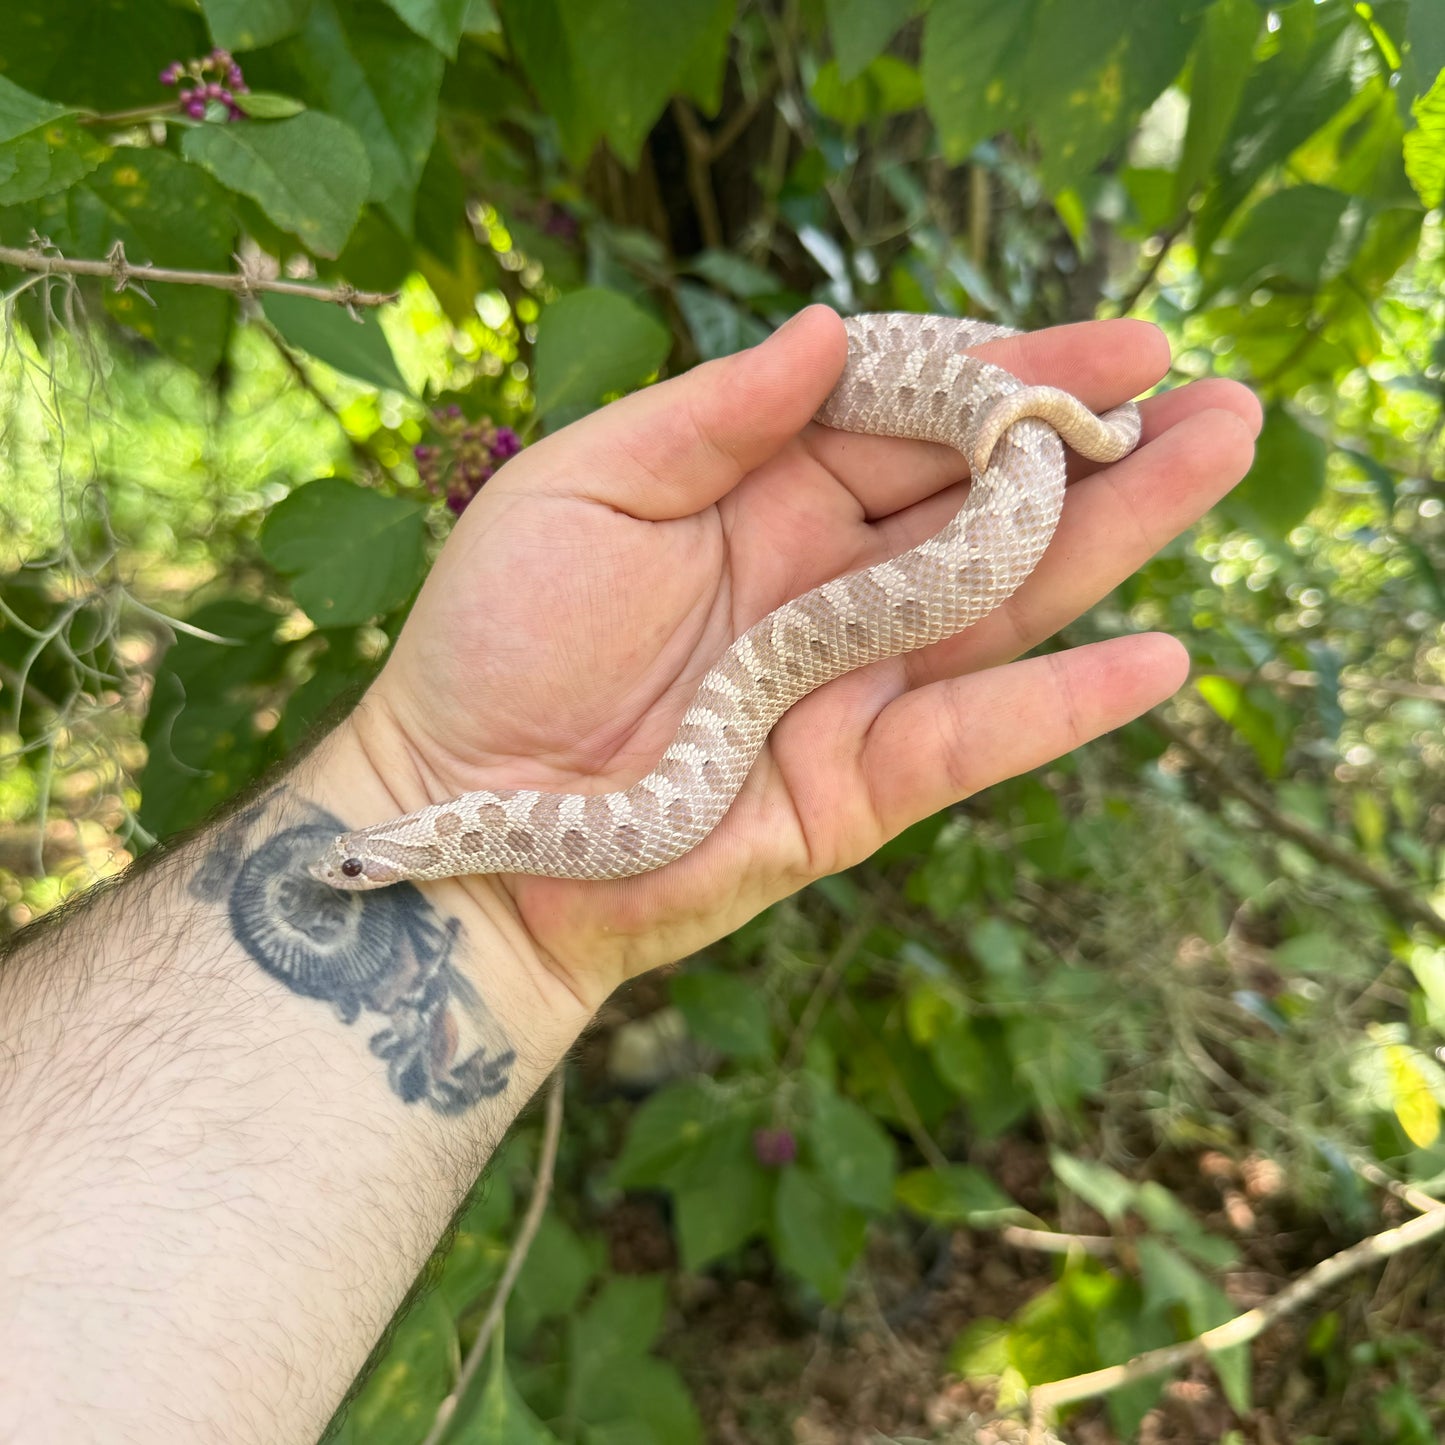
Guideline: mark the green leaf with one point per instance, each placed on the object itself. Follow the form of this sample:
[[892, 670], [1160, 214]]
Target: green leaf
[[998, 946], [265, 105], [851, 1152], [725, 1012], [1265, 732], [384, 82], [815, 1234], [888, 86], [1424, 56], [1288, 97], [163, 211], [96, 54], [714, 1218], [644, 1404], [201, 740], [592, 342], [502, 1416], [1096, 1184], [441, 22], [538, 38], [1425, 145], [1216, 84], [42, 147], [664, 1129], [309, 174], [629, 56], [352, 555], [860, 29], [399, 1400], [718, 327], [702, 76], [250, 24], [731, 272], [959, 1194], [1162, 1212], [1079, 71], [1287, 236], [1285, 482], [339, 670], [357, 347], [622, 1321], [974, 53], [557, 1270]]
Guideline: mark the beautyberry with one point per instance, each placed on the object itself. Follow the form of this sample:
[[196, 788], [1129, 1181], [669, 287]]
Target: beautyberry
[[774, 1148]]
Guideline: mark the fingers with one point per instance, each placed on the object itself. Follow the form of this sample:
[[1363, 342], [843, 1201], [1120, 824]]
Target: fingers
[[937, 744], [1103, 363], [1112, 524], [675, 448]]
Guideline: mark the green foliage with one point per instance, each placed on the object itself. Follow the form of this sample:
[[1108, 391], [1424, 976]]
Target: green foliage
[[350, 555], [1110, 971]]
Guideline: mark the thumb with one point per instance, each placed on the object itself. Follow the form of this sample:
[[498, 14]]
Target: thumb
[[679, 446]]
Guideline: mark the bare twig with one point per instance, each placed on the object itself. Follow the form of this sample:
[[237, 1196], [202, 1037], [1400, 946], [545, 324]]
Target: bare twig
[[1166, 240], [699, 173], [1406, 906], [1052, 1242], [536, 1206], [123, 273], [843, 955], [1046, 1400]]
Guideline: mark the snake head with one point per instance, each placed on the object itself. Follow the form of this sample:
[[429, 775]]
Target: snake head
[[347, 866]]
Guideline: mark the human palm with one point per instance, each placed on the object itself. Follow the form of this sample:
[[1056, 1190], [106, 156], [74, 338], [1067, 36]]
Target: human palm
[[595, 581]]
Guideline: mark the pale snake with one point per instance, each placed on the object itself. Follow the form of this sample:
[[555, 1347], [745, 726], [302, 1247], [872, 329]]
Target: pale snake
[[906, 376]]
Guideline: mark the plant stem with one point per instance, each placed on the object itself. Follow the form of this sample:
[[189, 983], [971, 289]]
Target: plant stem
[[124, 274]]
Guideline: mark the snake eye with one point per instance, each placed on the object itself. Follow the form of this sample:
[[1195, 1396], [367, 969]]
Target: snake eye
[[352, 868]]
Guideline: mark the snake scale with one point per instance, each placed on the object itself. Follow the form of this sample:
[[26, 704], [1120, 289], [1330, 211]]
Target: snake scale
[[906, 376]]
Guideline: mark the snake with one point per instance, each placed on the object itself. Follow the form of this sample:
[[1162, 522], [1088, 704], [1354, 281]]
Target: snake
[[906, 375]]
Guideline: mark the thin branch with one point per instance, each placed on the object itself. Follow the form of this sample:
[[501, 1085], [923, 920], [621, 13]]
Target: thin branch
[[699, 174], [1166, 240], [1101, 1246], [1045, 1400], [123, 273], [827, 982], [536, 1206], [1406, 906]]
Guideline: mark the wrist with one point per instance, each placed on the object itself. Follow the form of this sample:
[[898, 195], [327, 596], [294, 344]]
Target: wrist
[[359, 774]]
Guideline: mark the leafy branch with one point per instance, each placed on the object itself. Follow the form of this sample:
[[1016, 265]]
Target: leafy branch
[[1404, 903], [1046, 1400]]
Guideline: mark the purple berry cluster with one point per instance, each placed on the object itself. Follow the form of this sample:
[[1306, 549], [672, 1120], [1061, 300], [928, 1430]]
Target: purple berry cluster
[[465, 455], [774, 1148], [215, 77]]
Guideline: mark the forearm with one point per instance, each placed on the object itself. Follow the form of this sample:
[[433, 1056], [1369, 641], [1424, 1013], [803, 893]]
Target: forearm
[[236, 1112]]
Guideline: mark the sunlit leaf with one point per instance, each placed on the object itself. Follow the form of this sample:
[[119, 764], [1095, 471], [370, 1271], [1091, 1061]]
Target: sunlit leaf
[[355, 345], [592, 342], [42, 146], [959, 1194], [351, 554], [250, 24], [310, 174], [1425, 145]]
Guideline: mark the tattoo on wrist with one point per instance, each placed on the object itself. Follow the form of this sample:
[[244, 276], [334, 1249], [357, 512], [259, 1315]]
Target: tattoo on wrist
[[386, 952]]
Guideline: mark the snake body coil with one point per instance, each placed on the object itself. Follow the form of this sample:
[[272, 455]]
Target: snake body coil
[[906, 376]]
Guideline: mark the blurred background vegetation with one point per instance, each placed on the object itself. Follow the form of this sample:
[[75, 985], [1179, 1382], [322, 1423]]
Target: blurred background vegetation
[[1083, 1067]]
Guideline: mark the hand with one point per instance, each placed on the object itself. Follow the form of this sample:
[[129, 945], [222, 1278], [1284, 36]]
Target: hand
[[603, 571]]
